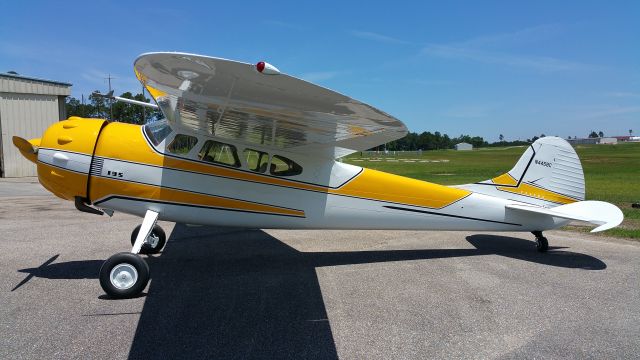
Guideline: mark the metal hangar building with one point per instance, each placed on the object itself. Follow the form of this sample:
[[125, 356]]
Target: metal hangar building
[[27, 107]]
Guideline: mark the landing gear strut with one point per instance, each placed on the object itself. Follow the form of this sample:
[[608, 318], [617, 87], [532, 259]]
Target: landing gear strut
[[542, 245], [126, 275], [154, 243]]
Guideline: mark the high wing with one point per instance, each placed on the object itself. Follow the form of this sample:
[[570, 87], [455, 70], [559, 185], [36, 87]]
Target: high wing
[[230, 99]]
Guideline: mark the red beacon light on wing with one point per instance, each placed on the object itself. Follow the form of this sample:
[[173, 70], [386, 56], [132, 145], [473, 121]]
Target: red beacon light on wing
[[266, 68]]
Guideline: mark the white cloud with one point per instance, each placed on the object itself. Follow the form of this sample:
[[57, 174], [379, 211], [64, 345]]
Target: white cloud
[[518, 37], [377, 37], [319, 75], [483, 49], [622, 94], [541, 63], [430, 82], [603, 113], [281, 24], [613, 110], [471, 111]]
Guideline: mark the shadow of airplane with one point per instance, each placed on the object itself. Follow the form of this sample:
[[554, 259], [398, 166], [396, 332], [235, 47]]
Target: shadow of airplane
[[237, 293]]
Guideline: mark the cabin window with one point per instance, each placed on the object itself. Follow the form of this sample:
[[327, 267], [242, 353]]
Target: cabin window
[[281, 166], [157, 131], [182, 144], [256, 160], [217, 152]]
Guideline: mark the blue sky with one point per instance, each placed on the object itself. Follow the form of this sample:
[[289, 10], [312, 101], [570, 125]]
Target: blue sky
[[477, 67]]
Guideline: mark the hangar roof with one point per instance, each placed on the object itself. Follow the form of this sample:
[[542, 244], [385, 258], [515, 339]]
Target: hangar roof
[[14, 83], [18, 76]]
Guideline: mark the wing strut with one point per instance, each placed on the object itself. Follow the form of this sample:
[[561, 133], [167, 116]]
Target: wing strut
[[110, 96]]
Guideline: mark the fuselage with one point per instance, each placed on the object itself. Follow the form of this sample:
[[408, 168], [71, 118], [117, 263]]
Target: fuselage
[[128, 168]]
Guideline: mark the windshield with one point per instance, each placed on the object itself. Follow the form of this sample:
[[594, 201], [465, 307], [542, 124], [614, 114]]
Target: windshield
[[157, 131]]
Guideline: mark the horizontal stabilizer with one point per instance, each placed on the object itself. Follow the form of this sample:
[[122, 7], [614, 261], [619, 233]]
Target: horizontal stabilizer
[[601, 213]]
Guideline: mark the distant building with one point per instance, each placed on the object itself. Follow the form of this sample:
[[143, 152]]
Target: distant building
[[599, 140], [464, 146], [627, 138], [608, 140], [27, 107], [585, 141]]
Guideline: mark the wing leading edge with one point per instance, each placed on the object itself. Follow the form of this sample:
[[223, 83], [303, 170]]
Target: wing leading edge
[[232, 100]]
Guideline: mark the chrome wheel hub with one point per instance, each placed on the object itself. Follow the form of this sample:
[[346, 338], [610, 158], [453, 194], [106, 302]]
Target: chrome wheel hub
[[123, 276]]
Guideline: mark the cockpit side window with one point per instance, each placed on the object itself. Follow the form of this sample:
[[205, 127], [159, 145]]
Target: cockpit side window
[[282, 166], [157, 131], [256, 160], [182, 144], [217, 152]]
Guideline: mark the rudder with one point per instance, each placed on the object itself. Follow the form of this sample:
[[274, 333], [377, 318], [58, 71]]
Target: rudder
[[548, 173]]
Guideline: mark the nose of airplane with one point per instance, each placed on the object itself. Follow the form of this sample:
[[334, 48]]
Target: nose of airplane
[[63, 155]]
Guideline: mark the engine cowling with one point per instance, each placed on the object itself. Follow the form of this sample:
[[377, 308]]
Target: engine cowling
[[64, 156]]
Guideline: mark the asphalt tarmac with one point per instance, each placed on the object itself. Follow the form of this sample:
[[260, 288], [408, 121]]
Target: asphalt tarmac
[[222, 293]]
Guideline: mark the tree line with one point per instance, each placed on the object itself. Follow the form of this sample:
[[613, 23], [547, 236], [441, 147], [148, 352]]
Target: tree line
[[99, 107], [435, 141]]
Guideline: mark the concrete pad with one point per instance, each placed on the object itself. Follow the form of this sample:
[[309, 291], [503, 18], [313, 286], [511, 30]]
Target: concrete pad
[[250, 293]]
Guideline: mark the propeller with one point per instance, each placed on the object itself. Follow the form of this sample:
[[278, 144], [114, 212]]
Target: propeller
[[28, 148]]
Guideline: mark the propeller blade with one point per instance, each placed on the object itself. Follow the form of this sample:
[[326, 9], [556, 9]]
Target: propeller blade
[[25, 145], [28, 148]]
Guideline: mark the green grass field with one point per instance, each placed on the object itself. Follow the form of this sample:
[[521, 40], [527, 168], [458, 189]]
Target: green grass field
[[612, 172]]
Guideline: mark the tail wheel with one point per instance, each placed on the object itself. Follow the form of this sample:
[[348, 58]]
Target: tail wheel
[[542, 245], [124, 275], [154, 243]]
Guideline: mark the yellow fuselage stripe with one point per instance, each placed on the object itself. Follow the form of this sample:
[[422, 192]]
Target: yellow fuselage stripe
[[536, 192], [529, 190], [504, 179], [126, 142], [103, 188]]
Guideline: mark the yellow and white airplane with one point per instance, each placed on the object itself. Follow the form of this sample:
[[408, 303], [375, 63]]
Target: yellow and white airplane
[[246, 145]]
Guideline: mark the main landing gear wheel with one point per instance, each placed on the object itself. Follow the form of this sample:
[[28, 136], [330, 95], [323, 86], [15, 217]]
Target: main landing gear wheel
[[154, 243], [542, 245], [124, 275]]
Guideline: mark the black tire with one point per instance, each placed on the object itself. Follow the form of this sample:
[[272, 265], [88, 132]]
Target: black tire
[[147, 248], [542, 245], [125, 261]]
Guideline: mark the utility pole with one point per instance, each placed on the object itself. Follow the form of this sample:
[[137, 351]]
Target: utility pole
[[98, 105], [110, 101]]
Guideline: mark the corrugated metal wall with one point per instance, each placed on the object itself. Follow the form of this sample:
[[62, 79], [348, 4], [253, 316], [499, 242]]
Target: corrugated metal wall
[[27, 116], [27, 86]]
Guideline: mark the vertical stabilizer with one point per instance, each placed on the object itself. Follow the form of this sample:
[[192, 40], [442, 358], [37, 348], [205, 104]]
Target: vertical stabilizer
[[549, 173]]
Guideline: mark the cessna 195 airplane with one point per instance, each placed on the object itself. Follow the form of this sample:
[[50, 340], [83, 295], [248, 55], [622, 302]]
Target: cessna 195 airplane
[[246, 145]]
